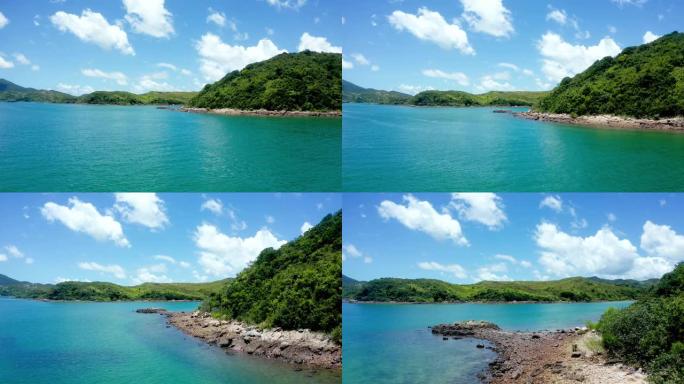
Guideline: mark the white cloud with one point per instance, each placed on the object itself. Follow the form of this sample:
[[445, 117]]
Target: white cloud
[[347, 64], [92, 27], [84, 217], [630, 2], [14, 251], [375, 68], [413, 89], [114, 269], [270, 219], [456, 270], [149, 17], [146, 209], [119, 77], [316, 44], [29, 260], [213, 205], [360, 59], [488, 16], [603, 254], [66, 279], [151, 274], [3, 21], [611, 217], [167, 66], [150, 82], [22, 59], [220, 254], [216, 17], [484, 208], [508, 258], [494, 272], [305, 227], [218, 58], [5, 64], [74, 89], [186, 72], [421, 216], [562, 59], [430, 26], [3, 257], [495, 82], [509, 66], [662, 241], [650, 36], [350, 250], [554, 203], [184, 264], [168, 259], [294, 4], [527, 72], [525, 264], [557, 15], [458, 77]]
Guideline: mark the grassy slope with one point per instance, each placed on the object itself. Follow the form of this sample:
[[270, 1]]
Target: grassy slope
[[304, 81], [356, 94], [643, 81], [101, 291], [429, 290], [296, 286]]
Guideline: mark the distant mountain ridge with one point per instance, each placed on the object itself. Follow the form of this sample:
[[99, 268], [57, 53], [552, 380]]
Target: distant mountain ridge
[[433, 291], [352, 93], [642, 81], [14, 93]]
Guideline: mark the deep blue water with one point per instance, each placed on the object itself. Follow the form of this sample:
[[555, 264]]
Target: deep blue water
[[390, 343], [74, 342]]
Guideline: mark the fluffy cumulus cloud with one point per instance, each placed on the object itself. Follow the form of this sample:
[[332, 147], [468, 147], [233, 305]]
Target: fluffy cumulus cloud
[[113, 269], [430, 26], [349, 251], [3, 257], [629, 2], [151, 82], [149, 17], [483, 208], [92, 27], [146, 209], [495, 82], [3, 21], [294, 4], [558, 15], [345, 64], [488, 16], [218, 58], [606, 255], [151, 274], [305, 227], [214, 206], [84, 217], [494, 272], [165, 258], [459, 77], [413, 89], [454, 269], [650, 37], [316, 44], [562, 59], [421, 216], [554, 203], [14, 252], [5, 64], [216, 17], [74, 89], [222, 255], [119, 77]]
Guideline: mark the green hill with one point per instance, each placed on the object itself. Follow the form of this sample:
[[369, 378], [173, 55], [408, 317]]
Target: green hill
[[296, 286], [12, 92], [353, 93], [304, 81], [435, 291], [650, 333], [643, 81], [101, 291]]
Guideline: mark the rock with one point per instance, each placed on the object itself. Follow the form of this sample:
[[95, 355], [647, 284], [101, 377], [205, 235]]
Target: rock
[[480, 346], [151, 310], [576, 355], [535, 336]]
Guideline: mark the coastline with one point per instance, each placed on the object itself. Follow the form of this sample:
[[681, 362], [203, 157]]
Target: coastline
[[261, 112], [300, 347], [560, 356], [351, 301], [608, 121]]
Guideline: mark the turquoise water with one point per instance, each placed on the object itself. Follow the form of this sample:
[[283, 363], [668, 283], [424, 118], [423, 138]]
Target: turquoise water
[[390, 343], [108, 343], [395, 148], [62, 147]]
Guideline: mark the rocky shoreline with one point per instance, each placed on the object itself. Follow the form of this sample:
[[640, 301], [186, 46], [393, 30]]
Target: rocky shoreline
[[301, 347], [261, 112], [608, 121], [561, 356]]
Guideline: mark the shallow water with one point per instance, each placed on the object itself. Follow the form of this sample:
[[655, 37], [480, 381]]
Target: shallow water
[[397, 148], [74, 342], [63, 147], [390, 343]]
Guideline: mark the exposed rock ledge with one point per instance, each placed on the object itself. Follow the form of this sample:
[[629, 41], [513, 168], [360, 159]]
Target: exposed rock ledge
[[559, 357], [608, 121], [302, 347], [261, 112]]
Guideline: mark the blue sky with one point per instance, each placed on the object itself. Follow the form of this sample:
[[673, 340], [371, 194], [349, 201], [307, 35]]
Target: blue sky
[[481, 45], [465, 238], [77, 46], [132, 238]]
